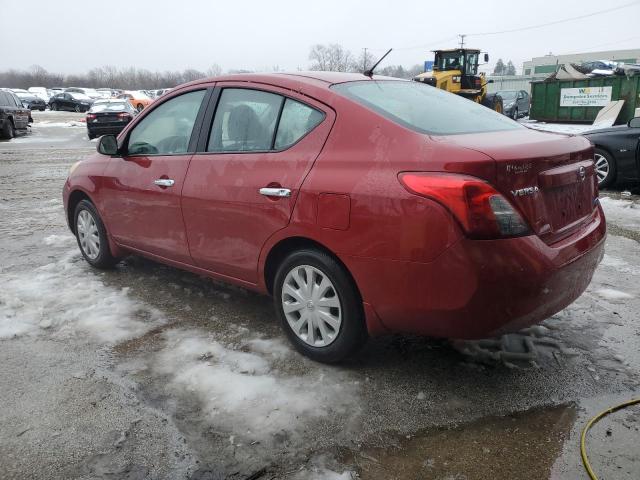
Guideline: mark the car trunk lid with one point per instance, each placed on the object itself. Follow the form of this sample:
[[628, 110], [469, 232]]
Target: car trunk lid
[[549, 177]]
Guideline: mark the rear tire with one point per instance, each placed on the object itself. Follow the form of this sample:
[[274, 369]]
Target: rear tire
[[319, 306], [92, 236], [494, 102], [140, 107], [8, 131], [606, 168]]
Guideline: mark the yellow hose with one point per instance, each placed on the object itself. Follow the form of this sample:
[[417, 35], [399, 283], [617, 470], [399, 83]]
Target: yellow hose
[[592, 422]]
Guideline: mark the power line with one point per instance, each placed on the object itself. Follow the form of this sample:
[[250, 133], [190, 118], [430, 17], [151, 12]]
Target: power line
[[531, 27]]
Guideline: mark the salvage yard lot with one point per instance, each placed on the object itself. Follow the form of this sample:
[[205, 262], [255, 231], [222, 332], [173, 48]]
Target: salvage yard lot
[[151, 372]]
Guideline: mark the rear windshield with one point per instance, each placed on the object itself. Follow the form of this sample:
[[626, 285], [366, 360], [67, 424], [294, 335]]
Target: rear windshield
[[424, 108]]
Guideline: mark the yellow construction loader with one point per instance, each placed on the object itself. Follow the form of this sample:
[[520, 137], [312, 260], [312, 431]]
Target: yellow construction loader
[[456, 71]]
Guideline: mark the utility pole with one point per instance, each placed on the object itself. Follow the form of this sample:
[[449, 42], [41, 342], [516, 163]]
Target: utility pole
[[462, 40], [364, 61]]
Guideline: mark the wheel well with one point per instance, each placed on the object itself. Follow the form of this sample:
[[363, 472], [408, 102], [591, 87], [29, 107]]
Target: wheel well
[[281, 249], [74, 199]]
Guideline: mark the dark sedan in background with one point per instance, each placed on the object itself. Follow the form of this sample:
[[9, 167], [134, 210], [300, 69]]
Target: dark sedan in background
[[30, 101], [515, 103], [109, 116], [70, 101], [617, 152]]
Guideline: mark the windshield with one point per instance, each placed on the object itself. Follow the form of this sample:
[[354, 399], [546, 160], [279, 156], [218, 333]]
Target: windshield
[[508, 94], [102, 106], [79, 96], [449, 61], [425, 109]]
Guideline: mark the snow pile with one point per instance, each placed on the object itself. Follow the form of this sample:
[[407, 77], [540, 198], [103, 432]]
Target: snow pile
[[72, 123], [242, 389], [621, 212], [568, 128], [611, 294], [322, 474], [65, 298]]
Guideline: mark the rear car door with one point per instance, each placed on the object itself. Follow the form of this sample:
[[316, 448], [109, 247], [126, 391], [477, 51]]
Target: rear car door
[[141, 195], [242, 184]]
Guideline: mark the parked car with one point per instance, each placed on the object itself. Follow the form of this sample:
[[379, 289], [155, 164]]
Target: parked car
[[13, 115], [109, 116], [30, 101], [70, 101], [40, 92], [139, 100], [617, 153], [105, 92], [363, 205], [89, 92], [516, 103]]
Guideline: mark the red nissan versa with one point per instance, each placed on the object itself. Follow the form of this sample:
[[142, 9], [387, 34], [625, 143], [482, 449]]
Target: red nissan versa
[[364, 206]]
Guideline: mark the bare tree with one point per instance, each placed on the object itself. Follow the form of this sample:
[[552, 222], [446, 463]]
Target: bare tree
[[214, 70], [365, 60], [332, 57]]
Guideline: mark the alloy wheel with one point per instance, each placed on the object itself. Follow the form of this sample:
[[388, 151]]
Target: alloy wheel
[[602, 167], [311, 305], [88, 234]]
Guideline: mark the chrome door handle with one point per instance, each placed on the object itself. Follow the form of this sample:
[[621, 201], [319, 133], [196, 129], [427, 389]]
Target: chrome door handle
[[275, 192], [164, 182]]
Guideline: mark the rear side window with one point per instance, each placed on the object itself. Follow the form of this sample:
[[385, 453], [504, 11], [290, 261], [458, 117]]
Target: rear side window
[[4, 100], [245, 121], [423, 108], [167, 129], [296, 121]]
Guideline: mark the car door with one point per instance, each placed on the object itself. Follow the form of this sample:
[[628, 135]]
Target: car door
[[67, 102], [626, 150], [141, 192], [242, 184], [523, 104]]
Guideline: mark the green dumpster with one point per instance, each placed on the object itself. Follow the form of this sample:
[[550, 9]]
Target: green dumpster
[[581, 100]]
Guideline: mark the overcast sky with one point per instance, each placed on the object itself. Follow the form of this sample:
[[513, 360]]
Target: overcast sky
[[72, 36]]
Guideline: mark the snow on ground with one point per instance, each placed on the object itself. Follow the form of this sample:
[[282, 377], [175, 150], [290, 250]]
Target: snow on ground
[[64, 298], [621, 212], [244, 388]]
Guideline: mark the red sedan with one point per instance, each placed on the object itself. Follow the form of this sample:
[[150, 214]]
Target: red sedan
[[363, 205]]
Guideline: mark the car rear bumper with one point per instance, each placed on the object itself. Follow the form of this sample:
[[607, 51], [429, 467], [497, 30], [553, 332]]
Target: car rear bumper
[[97, 129], [477, 289]]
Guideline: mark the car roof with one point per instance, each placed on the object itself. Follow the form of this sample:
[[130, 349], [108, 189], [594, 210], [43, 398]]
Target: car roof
[[315, 78]]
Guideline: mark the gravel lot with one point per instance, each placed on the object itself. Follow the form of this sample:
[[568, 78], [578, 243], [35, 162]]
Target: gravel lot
[[150, 372]]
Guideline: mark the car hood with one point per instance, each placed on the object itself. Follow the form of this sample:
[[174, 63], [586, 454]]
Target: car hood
[[617, 128]]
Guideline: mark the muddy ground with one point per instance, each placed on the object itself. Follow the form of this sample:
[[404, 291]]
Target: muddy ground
[[150, 372]]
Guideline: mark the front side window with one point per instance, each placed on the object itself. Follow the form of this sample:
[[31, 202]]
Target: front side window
[[167, 129], [423, 108], [245, 121], [296, 121]]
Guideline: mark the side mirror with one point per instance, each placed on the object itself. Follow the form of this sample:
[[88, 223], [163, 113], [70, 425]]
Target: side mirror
[[634, 122], [490, 80], [486, 58], [107, 145]]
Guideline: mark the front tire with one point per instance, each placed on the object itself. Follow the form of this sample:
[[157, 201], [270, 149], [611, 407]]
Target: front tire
[[515, 114], [78, 109], [319, 306], [54, 107], [92, 236], [494, 102], [605, 167]]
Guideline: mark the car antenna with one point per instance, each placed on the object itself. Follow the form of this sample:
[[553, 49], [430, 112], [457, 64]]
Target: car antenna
[[369, 72]]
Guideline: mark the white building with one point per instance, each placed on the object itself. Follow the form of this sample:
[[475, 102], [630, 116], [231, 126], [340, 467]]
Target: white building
[[549, 63]]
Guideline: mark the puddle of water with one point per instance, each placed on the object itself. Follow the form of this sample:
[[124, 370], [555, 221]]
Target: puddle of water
[[524, 445]]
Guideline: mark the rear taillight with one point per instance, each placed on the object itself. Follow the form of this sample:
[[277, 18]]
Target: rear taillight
[[91, 116], [124, 116], [482, 211]]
